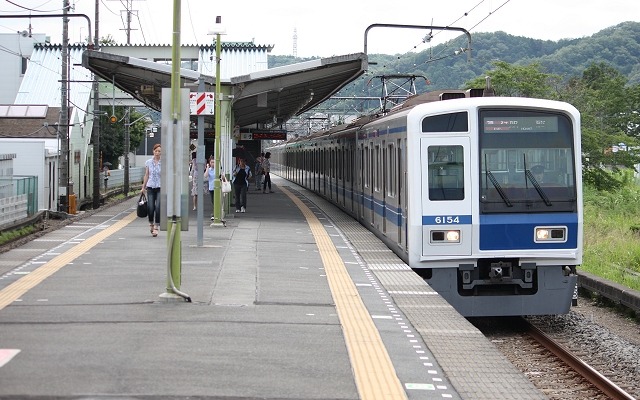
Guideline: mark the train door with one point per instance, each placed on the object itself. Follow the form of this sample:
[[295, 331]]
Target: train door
[[446, 196], [304, 167], [383, 187], [323, 173], [349, 176], [314, 169], [371, 180], [402, 196], [361, 186]]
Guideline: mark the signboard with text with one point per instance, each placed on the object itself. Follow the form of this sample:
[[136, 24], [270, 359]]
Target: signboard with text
[[269, 135], [201, 103]]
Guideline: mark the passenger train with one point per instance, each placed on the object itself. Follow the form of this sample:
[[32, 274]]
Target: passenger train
[[481, 196]]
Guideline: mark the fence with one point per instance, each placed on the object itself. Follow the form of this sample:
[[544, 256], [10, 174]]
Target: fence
[[18, 198], [116, 179]]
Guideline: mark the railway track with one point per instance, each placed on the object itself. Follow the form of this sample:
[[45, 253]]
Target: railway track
[[593, 377], [551, 366]]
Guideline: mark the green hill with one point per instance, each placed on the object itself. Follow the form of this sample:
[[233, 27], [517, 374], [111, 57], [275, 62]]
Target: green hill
[[619, 46]]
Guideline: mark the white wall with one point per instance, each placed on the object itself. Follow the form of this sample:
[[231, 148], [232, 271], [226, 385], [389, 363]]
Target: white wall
[[14, 47], [36, 157]]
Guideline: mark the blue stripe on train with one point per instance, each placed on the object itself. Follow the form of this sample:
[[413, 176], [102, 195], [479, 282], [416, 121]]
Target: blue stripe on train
[[515, 231]]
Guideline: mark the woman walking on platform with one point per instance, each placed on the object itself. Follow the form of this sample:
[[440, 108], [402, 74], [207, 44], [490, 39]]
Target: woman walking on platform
[[151, 187]]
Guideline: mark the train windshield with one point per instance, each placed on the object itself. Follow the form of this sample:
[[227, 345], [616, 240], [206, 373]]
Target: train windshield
[[526, 162]]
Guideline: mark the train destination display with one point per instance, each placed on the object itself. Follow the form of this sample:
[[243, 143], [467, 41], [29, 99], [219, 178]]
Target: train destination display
[[521, 124]]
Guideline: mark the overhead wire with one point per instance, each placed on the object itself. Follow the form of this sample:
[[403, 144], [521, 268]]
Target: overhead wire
[[34, 9], [431, 35], [144, 39], [438, 56], [13, 135], [195, 37]]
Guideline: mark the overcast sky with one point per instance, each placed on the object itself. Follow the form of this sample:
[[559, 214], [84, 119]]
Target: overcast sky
[[324, 28]]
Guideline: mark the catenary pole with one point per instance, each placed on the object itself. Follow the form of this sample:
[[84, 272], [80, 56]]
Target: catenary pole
[[95, 132], [217, 198]]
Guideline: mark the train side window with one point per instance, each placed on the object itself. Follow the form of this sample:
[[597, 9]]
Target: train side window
[[391, 171], [452, 122], [446, 173]]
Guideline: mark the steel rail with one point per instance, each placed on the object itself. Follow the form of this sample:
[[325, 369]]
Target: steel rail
[[607, 387]]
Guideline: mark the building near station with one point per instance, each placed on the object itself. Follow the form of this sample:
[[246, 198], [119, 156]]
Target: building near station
[[256, 102], [33, 78]]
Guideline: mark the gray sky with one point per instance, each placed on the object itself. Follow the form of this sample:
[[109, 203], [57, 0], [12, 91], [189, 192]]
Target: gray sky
[[331, 27]]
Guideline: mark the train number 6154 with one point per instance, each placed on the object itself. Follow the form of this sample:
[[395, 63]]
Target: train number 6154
[[447, 219]]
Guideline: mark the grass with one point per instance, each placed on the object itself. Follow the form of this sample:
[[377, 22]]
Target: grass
[[6, 237], [612, 235]]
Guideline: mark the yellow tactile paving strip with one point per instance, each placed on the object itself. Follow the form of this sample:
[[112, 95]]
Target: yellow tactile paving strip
[[374, 373], [14, 291]]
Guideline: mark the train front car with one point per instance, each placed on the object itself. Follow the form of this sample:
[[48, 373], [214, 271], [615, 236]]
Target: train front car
[[495, 222]]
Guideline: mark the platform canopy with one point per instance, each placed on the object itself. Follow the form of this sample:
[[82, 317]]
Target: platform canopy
[[264, 97]]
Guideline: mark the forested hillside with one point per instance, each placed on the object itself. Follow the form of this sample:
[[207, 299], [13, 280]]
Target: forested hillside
[[618, 46]]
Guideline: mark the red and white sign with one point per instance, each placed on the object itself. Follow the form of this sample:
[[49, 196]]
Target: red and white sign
[[201, 103]]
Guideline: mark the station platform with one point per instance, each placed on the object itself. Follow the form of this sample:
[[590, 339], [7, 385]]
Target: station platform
[[291, 300]]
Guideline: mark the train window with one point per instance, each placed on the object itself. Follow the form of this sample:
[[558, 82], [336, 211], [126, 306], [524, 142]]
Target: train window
[[526, 162], [391, 171], [446, 173], [452, 122], [367, 166]]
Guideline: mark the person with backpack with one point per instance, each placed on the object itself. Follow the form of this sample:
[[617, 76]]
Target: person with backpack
[[240, 180]]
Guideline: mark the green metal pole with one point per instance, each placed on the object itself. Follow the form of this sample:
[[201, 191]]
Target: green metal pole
[[175, 224], [217, 194]]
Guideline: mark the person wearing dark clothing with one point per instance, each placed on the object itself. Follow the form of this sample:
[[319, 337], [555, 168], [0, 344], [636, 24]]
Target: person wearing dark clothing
[[240, 180], [266, 167]]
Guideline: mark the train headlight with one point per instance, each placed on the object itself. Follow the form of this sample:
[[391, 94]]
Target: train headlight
[[550, 234], [452, 236]]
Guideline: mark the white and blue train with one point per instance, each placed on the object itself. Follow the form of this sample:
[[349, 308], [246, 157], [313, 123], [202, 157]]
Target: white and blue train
[[481, 196]]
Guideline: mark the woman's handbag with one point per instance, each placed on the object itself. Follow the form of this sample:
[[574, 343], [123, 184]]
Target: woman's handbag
[[142, 209], [226, 185]]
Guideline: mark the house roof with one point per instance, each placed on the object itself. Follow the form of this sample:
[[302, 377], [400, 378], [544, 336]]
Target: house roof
[[31, 127], [264, 97]]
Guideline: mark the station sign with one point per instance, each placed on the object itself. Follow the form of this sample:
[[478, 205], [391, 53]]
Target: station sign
[[201, 103], [269, 134]]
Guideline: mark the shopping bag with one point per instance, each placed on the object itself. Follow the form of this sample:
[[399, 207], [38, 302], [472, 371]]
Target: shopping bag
[[226, 185], [142, 210]]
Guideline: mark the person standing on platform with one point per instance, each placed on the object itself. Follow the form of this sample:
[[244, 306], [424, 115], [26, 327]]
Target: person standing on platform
[[194, 180], [259, 171], [151, 187], [106, 174], [210, 176], [240, 180], [266, 167]]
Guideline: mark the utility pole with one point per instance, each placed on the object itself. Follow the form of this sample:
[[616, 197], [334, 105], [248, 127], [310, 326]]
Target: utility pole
[[128, 9], [127, 133], [173, 164], [217, 151], [95, 133], [63, 125]]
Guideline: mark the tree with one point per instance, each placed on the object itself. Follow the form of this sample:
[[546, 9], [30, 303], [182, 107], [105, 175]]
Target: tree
[[107, 40], [610, 120], [112, 135], [519, 81]]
